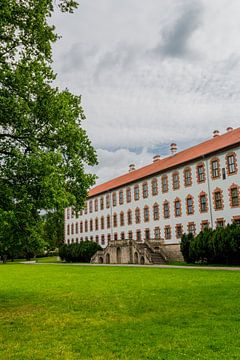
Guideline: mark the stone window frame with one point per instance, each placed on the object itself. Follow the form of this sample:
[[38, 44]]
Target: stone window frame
[[76, 228], [136, 192], [108, 238], [167, 232], [115, 222], [114, 199], [146, 215], [234, 186], [96, 224], [157, 231], [147, 231], [81, 227], [202, 193], [122, 235], [138, 238], [115, 236], [90, 206], [175, 183], [68, 229], [204, 223], [129, 217], [128, 195], [108, 201], [187, 169], [137, 216], [101, 203], [189, 225], [154, 186], [145, 190], [177, 226], [96, 239], [163, 184], [177, 200], [121, 218], [108, 221], [188, 197], [120, 197], [96, 204], [220, 220], [228, 155], [91, 224], [86, 226], [102, 222], [166, 202], [156, 215], [72, 229], [213, 160], [218, 190], [198, 166]]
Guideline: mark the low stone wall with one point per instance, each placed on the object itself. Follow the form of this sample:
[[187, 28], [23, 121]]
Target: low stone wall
[[172, 252]]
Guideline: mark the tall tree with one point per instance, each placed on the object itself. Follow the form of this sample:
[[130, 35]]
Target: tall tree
[[43, 148]]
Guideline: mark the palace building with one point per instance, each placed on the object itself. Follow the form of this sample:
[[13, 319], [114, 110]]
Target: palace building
[[184, 192]]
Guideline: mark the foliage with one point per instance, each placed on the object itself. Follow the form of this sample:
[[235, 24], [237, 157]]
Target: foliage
[[53, 229], [219, 246], [81, 252], [43, 148]]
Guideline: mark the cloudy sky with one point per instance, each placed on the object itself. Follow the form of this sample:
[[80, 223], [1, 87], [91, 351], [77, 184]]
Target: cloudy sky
[[150, 72]]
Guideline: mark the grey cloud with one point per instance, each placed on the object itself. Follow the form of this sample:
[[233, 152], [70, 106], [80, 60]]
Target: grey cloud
[[77, 57], [175, 38]]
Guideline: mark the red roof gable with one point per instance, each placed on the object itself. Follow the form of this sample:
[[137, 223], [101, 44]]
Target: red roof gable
[[219, 142]]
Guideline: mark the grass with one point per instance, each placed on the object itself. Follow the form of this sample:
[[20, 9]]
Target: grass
[[106, 313]]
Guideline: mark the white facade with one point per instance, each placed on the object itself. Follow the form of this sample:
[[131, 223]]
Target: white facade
[[220, 186]]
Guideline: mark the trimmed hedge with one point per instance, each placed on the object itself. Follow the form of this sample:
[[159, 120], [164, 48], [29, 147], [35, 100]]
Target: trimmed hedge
[[219, 246], [81, 252]]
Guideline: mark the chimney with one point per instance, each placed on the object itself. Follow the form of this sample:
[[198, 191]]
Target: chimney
[[216, 133], [229, 129], [173, 148], [156, 158], [131, 167]]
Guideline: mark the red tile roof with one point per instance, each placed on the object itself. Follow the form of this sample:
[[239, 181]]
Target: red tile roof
[[219, 142]]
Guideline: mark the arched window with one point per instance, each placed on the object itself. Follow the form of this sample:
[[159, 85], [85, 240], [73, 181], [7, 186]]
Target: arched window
[[136, 192], [177, 207], [120, 197], [164, 180], [231, 163], [189, 205], [218, 199], [129, 217], [86, 226], [203, 202], [175, 180], [128, 195], [154, 187], [115, 220], [121, 218], [145, 190], [166, 209], [108, 221], [187, 177], [234, 195], [137, 216], [96, 224], [155, 211], [102, 222], [146, 213], [215, 168]]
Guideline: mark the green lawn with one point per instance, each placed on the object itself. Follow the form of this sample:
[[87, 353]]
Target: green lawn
[[83, 312]]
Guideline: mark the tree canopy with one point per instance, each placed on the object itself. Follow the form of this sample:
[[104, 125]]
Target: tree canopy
[[43, 147]]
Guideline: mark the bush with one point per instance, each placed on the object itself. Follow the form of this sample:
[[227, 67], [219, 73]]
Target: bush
[[81, 252], [219, 246]]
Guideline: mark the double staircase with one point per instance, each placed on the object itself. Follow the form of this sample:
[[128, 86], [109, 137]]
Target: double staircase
[[154, 253]]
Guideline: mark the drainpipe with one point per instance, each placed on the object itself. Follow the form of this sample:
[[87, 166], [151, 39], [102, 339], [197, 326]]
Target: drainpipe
[[209, 192], [111, 219]]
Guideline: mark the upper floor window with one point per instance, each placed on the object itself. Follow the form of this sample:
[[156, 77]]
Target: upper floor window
[[86, 226], [218, 200], [175, 180], [145, 190], [90, 206], [203, 202], [102, 222], [85, 207], [189, 205], [72, 229], [108, 221], [76, 228], [192, 228], [114, 199], [136, 192], [146, 213], [155, 212], [138, 235], [164, 183], [215, 168], [101, 202], [187, 176], [96, 204], [231, 163], [68, 229], [147, 234], [137, 216], [107, 201], [102, 239], [122, 218], [96, 224], [234, 196], [166, 210], [128, 195], [120, 197], [129, 217], [115, 220], [91, 225], [81, 227], [154, 187], [177, 207], [200, 173]]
